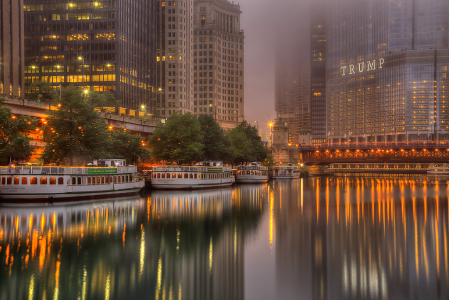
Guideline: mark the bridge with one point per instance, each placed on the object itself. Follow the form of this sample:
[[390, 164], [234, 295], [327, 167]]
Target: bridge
[[390, 152], [22, 106]]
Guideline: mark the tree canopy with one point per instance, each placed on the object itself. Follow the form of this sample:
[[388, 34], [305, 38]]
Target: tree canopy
[[247, 143], [14, 136], [179, 140], [217, 146], [128, 146], [75, 132]]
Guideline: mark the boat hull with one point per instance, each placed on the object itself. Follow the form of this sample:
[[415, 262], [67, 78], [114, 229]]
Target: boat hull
[[161, 186], [285, 177], [251, 179]]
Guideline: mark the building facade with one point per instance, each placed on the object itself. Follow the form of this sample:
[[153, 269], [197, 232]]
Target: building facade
[[218, 62], [174, 57], [318, 72], [105, 46], [387, 67], [11, 48]]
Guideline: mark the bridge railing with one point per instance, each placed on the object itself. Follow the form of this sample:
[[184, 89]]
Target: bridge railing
[[374, 145]]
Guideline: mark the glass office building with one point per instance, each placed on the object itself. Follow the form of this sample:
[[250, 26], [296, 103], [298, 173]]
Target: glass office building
[[387, 70], [104, 45]]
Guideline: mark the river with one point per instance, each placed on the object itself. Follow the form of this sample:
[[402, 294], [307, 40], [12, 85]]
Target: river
[[313, 238]]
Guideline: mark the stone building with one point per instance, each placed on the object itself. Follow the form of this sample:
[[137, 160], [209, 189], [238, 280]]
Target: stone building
[[218, 62], [174, 57]]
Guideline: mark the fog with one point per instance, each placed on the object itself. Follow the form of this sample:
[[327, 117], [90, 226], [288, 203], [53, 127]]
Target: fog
[[271, 27]]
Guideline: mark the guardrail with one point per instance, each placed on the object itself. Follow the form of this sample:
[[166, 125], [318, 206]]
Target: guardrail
[[379, 145], [65, 170], [191, 169]]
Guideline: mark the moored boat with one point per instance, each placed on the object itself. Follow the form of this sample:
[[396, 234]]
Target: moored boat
[[105, 178], [205, 176], [252, 173], [289, 171], [438, 169]]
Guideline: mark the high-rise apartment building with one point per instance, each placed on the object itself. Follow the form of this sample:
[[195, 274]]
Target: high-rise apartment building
[[11, 48], [218, 62], [318, 72], [387, 70], [174, 57], [104, 45]]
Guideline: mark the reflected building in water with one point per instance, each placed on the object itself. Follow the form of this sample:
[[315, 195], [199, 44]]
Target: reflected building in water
[[164, 246]]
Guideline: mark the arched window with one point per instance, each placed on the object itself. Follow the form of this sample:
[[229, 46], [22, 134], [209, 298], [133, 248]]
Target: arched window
[[163, 175], [191, 176], [98, 180], [168, 175], [79, 181], [186, 176], [107, 179], [44, 180], [52, 180], [3, 180], [24, 180], [89, 180], [73, 180], [9, 180], [102, 180], [33, 180], [196, 176], [61, 180], [158, 175], [16, 180], [179, 175]]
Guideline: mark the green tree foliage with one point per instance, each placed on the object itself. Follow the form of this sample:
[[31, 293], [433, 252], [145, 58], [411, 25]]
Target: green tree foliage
[[179, 140], [269, 162], [217, 146], [75, 132], [14, 139], [247, 143], [128, 146], [102, 101], [258, 151], [42, 88]]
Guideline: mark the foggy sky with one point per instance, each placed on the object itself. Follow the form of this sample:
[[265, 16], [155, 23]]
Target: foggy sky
[[267, 23]]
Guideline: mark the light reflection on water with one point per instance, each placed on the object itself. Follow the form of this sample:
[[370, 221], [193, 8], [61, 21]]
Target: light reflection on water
[[328, 238]]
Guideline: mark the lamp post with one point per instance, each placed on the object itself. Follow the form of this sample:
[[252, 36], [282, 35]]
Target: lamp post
[[271, 137], [82, 66]]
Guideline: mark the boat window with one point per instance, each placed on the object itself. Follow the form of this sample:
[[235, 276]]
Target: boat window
[[111, 179], [24, 180], [102, 180], [173, 175], [89, 180], [186, 176], [107, 179], [98, 180], [16, 180], [191, 176], [168, 175], [79, 181], [163, 175], [195, 176], [52, 180], [9, 180], [73, 180], [3, 180], [158, 175], [61, 180], [33, 180], [179, 175], [43, 180]]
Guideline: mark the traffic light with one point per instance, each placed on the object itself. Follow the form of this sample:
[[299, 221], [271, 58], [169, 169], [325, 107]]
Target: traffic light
[[38, 99]]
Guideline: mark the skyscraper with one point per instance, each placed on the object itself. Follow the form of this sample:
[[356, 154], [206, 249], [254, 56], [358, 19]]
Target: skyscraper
[[174, 57], [106, 46], [218, 62], [318, 71], [11, 48], [387, 67]]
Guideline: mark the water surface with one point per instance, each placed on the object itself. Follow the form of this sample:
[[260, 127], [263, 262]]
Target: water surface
[[316, 238]]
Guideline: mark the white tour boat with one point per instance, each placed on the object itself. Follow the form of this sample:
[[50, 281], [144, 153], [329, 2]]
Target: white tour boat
[[105, 178], [438, 170], [207, 175], [290, 171], [252, 173]]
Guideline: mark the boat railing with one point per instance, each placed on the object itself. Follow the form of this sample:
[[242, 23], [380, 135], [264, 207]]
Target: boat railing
[[191, 169], [252, 168], [66, 170]]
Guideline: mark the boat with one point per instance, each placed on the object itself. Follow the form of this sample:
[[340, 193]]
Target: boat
[[438, 169], [203, 176], [289, 171], [101, 179], [251, 173]]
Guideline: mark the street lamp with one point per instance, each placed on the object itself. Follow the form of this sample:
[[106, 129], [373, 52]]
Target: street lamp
[[82, 66], [271, 136]]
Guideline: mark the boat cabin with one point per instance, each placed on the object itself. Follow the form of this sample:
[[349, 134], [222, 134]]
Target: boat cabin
[[109, 163]]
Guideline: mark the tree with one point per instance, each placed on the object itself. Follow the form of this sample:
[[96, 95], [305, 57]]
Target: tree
[[179, 140], [14, 139], [217, 146], [103, 101], [128, 146], [75, 132], [269, 162], [240, 144], [39, 87], [258, 151]]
